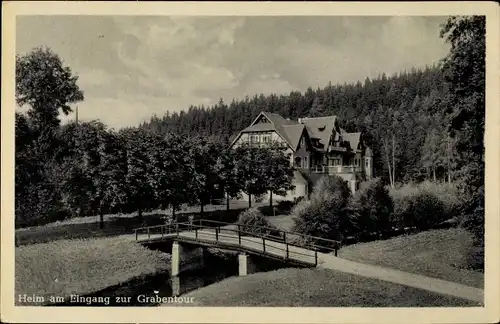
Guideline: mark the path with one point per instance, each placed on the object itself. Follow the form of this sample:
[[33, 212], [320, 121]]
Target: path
[[329, 261]]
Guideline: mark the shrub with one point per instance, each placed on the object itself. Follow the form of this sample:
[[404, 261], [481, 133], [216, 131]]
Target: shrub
[[324, 215], [331, 189], [424, 211], [405, 198], [253, 221], [371, 207]]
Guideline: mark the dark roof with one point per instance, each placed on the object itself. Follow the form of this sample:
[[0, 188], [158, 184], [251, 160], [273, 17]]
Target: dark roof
[[326, 124], [289, 130], [278, 120], [262, 127]]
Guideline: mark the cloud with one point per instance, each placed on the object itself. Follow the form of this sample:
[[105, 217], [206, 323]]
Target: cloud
[[145, 65]]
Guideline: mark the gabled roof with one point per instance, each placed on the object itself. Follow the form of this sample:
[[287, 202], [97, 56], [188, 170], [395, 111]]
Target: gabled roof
[[289, 130], [320, 127], [353, 139], [277, 119], [259, 128], [294, 133]]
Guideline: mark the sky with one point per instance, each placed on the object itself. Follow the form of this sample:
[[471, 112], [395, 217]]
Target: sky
[[132, 67]]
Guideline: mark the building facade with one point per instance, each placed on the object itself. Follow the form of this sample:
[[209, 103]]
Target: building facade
[[315, 146]]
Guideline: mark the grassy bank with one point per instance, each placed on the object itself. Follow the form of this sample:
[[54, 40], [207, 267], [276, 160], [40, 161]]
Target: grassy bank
[[81, 267], [315, 288], [437, 253]]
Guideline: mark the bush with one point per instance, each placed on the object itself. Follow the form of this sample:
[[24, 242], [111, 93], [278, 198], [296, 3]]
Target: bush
[[253, 221], [422, 210], [416, 198], [324, 215], [331, 189], [317, 219], [371, 207]]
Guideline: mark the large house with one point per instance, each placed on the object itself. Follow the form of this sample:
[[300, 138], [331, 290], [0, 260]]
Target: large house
[[316, 147]]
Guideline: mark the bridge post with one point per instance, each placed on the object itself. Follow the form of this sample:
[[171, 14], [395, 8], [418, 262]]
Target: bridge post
[[245, 265], [176, 258]]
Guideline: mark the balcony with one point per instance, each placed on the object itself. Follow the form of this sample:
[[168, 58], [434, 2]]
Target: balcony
[[335, 169]]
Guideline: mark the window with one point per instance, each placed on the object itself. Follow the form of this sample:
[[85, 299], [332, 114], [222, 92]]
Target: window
[[302, 141], [305, 164], [298, 161], [367, 163], [254, 138]]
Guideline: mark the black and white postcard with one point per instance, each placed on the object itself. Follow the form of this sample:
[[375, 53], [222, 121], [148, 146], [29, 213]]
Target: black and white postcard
[[250, 162]]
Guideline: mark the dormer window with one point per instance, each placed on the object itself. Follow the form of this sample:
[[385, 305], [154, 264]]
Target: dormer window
[[321, 128]]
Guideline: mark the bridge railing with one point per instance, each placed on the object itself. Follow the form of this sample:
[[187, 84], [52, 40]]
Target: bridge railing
[[282, 242], [298, 239]]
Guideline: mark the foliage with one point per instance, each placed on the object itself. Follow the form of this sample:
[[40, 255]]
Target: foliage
[[45, 85], [324, 215], [401, 104], [250, 169], [278, 173], [371, 207], [464, 72], [227, 171], [95, 173], [253, 221], [425, 210], [139, 146], [414, 202], [204, 156]]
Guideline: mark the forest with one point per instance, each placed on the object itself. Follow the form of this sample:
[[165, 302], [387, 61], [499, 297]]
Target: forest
[[400, 116], [422, 124]]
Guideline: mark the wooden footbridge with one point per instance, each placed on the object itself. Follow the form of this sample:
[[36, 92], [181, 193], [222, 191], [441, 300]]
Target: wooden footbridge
[[293, 248]]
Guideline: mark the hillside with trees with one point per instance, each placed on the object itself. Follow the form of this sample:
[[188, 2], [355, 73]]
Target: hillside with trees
[[408, 104]]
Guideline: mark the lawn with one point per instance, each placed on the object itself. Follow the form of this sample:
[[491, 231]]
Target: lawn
[[436, 253], [283, 222], [81, 267], [315, 288]]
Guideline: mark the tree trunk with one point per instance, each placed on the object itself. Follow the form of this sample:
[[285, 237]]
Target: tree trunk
[[227, 202], [434, 174], [201, 209], [139, 214], [249, 201], [101, 218], [393, 162], [388, 162], [271, 199], [448, 151], [174, 215]]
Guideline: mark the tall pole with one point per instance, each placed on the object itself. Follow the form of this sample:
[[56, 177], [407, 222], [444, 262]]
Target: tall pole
[[76, 116]]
